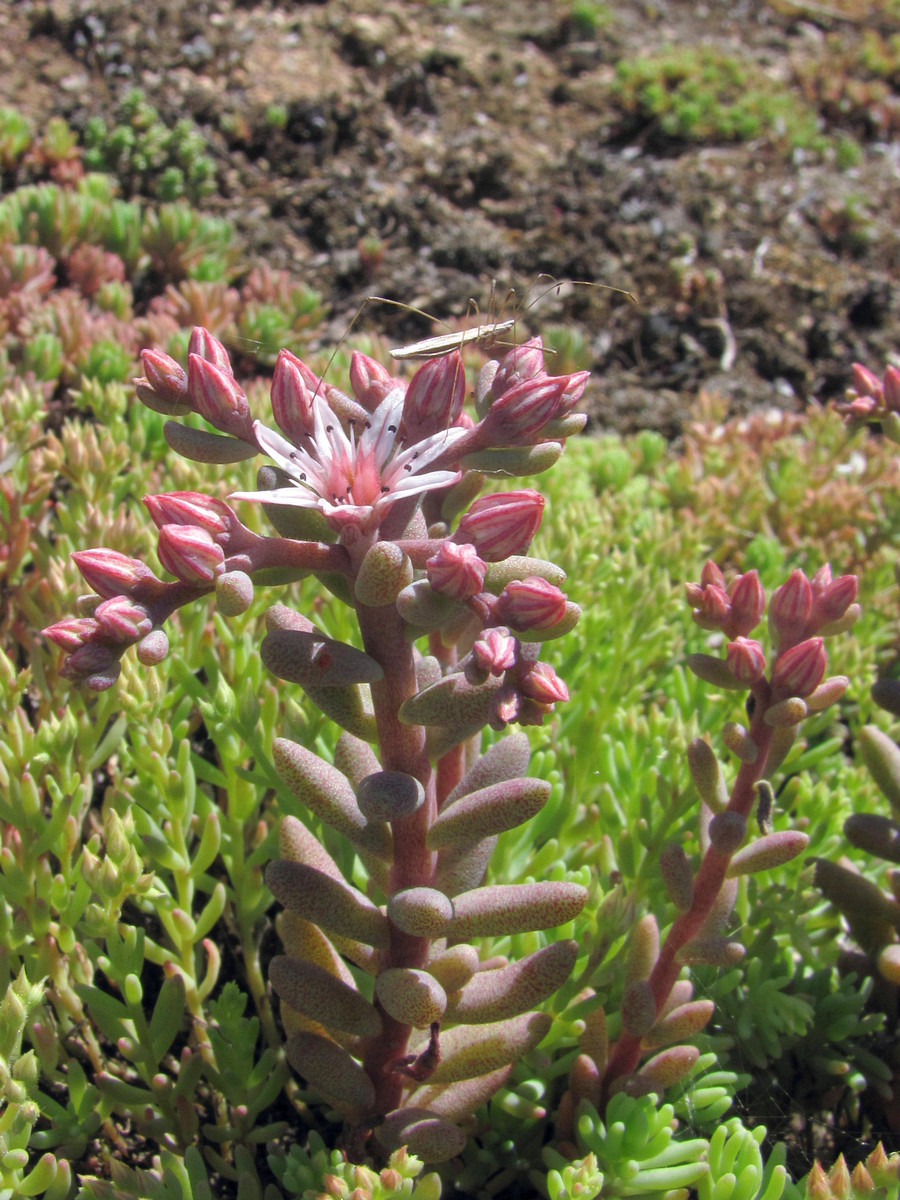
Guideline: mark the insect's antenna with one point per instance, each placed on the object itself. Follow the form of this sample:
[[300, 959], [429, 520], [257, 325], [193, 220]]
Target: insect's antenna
[[555, 285]]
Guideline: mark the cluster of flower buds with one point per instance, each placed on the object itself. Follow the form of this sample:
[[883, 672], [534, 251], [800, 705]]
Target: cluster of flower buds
[[872, 399], [801, 614]]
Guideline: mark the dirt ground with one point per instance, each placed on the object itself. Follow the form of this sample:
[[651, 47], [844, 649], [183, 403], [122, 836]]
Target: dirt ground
[[424, 149]]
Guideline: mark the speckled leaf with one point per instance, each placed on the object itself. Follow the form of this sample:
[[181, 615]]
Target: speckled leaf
[[327, 793], [452, 702], [643, 949], [332, 904], [456, 1101], [679, 1024], [462, 868], [594, 1040], [424, 1134], [453, 968], [638, 1008], [412, 997], [768, 851], [303, 939], [506, 759], [421, 911], [313, 660], [355, 758], [350, 708], [521, 566], [515, 908], [471, 1050], [316, 993], [495, 995], [298, 844], [328, 1068], [488, 811], [201, 446], [669, 1066], [384, 572]]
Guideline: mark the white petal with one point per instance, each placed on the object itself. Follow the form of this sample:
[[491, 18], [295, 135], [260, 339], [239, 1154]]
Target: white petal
[[297, 497]]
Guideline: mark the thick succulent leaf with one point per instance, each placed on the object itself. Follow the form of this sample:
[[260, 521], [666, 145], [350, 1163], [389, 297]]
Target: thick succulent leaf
[[456, 1101], [679, 1024], [424, 1134], [412, 997], [303, 939], [768, 851], [462, 868], [327, 793], [328, 1068], [506, 759], [514, 908], [355, 758], [389, 795], [331, 904], [349, 707], [299, 844], [470, 1050], [488, 811], [420, 911], [201, 446], [316, 661], [451, 702], [510, 990], [315, 992], [453, 968]]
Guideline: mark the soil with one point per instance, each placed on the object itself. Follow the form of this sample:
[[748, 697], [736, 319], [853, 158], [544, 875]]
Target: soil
[[423, 150]]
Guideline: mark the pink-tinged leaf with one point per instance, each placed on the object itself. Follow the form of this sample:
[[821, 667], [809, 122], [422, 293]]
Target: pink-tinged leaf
[[412, 997], [488, 811], [313, 660], [585, 1081], [515, 908], [507, 759], [302, 939], [389, 795], [889, 963], [298, 844], [355, 758], [679, 1024], [328, 795], [727, 831], [643, 950], [330, 903], [594, 1040], [638, 1008], [420, 911], [349, 707], [875, 834], [677, 875], [669, 1067], [457, 1101], [424, 1133], [707, 775], [424, 608], [770, 850], [873, 917], [881, 755], [471, 1050], [453, 701], [383, 574], [495, 995], [461, 868], [315, 992], [329, 1069], [716, 951], [454, 967], [199, 445]]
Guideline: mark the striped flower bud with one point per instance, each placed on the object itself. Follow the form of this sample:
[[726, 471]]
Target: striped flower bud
[[456, 570], [791, 605], [370, 381], [521, 364], [800, 670], [110, 573], [204, 345], [291, 398], [891, 385], [434, 396], [521, 412], [748, 603], [832, 597], [746, 660], [502, 524], [543, 685], [167, 377], [711, 605], [218, 397], [531, 603], [189, 553], [71, 632], [495, 651], [192, 508], [122, 620]]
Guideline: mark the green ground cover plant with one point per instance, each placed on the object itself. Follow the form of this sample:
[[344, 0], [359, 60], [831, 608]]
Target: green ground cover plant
[[582, 972]]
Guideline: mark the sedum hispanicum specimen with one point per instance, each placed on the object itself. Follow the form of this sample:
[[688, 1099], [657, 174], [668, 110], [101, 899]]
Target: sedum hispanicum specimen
[[389, 1013]]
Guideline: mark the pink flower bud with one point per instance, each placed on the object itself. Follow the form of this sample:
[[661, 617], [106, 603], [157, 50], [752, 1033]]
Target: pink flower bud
[[892, 389], [711, 576], [866, 382], [369, 380], [519, 365], [495, 651], [543, 685], [833, 600], [791, 604], [746, 660], [456, 570], [152, 649], [189, 553], [434, 397], [711, 605], [531, 603], [191, 508], [95, 665], [502, 524], [505, 706], [206, 346], [748, 603], [573, 391], [292, 398], [523, 411], [167, 377], [122, 620], [217, 396], [110, 573], [800, 670], [71, 632]]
